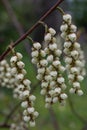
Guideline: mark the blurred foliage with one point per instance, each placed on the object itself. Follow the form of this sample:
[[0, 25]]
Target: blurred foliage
[[25, 15], [79, 11]]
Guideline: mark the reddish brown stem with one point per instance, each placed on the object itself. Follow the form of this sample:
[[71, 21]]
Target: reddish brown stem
[[31, 29], [2, 126], [15, 22], [53, 119]]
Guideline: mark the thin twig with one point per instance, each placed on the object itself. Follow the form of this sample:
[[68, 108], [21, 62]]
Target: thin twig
[[12, 16], [53, 119], [75, 112], [15, 22], [32, 28], [4, 126], [11, 113]]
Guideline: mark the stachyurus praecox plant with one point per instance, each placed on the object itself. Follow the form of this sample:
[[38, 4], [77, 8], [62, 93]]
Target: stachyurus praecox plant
[[50, 71]]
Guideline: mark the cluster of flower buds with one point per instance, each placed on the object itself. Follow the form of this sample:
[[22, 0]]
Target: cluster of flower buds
[[74, 57], [22, 90], [6, 78], [18, 124], [49, 69]]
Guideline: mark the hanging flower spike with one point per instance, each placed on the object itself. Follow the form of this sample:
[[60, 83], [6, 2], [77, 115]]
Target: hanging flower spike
[[22, 90], [49, 69], [72, 50], [56, 84], [18, 123], [6, 78]]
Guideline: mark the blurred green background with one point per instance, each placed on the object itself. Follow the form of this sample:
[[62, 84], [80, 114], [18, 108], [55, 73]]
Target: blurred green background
[[27, 13]]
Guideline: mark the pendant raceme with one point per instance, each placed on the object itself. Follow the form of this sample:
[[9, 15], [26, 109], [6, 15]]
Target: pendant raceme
[[74, 57], [50, 69], [23, 90]]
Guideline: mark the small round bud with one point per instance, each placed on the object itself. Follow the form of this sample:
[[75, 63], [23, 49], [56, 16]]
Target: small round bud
[[26, 118], [48, 99], [34, 60], [3, 62], [41, 70], [19, 55], [52, 83], [46, 50], [39, 76], [25, 113], [63, 86], [47, 37], [32, 123], [53, 73], [21, 87], [66, 51], [48, 78], [20, 64], [72, 90], [68, 60], [79, 63], [24, 104], [60, 80], [44, 84], [36, 114], [55, 99], [74, 54], [44, 62], [73, 28], [64, 27], [50, 58], [43, 92], [20, 77], [63, 96], [63, 35], [32, 98], [37, 45], [8, 75], [26, 93], [13, 70], [80, 92], [58, 52], [52, 31], [30, 110], [42, 53], [26, 82], [76, 85], [54, 40], [67, 18], [67, 44], [52, 92], [56, 63], [71, 77], [76, 45], [74, 70], [58, 90], [23, 71], [35, 53], [53, 46], [72, 37], [13, 59], [80, 78], [61, 68]]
